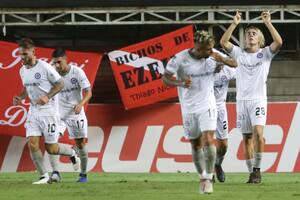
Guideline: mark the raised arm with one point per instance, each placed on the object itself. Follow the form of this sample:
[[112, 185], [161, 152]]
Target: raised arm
[[224, 60], [277, 40], [225, 43]]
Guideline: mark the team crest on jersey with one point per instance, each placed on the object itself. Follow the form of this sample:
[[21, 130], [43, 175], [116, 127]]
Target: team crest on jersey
[[37, 75], [223, 78], [260, 55], [73, 80]]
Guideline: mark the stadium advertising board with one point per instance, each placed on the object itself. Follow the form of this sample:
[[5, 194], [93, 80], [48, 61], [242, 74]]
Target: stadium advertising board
[[12, 118], [138, 68], [150, 139]]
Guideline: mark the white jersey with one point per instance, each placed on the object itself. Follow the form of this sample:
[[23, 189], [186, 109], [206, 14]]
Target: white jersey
[[74, 82], [200, 96], [252, 73], [221, 83], [38, 81]]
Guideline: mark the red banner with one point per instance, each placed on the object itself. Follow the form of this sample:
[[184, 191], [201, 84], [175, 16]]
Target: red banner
[[151, 139], [138, 68], [12, 117]]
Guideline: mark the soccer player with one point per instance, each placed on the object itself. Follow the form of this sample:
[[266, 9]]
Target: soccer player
[[251, 79], [72, 98], [221, 83], [194, 70], [40, 83]]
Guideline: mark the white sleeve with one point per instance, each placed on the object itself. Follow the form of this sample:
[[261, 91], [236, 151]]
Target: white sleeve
[[83, 80], [53, 75], [268, 53], [230, 72], [172, 66], [235, 52]]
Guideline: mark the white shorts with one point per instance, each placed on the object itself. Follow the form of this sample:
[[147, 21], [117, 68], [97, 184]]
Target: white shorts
[[222, 123], [77, 126], [46, 126], [251, 113], [196, 123]]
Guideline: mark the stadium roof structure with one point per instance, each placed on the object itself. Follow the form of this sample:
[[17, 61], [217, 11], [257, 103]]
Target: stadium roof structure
[[145, 15]]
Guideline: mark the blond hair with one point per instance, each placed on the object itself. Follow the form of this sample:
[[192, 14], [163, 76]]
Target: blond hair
[[203, 37], [261, 38]]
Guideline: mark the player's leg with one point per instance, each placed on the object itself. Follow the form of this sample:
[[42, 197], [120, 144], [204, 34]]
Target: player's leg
[[83, 155], [221, 141], [38, 159], [221, 145], [259, 113], [33, 135], [248, 154], [245, 127], [192, 132], [208, 123], [77, 129], [54, 159], [51, 135]]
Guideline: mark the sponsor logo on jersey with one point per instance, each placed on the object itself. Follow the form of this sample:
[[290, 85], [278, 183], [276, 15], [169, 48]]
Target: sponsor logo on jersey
[[37, 75]]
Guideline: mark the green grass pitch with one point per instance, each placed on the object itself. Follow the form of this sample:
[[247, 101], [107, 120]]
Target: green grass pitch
[[146, 186]]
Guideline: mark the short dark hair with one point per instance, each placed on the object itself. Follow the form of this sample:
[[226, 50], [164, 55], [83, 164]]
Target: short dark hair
[[59, 52], [26, 43], [203, 37]]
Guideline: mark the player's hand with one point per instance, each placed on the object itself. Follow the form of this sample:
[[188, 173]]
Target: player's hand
[[237, 18], [43, 100], [187, 83], [77, 109], [266, 17], [17, 100], [219, 67]]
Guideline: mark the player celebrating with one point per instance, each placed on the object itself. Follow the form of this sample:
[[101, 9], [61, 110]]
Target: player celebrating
[[220, 89], [195, 69], [40, 83], [75, 94], [251, 78]]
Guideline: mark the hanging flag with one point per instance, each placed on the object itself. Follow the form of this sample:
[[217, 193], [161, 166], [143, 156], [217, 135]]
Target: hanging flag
[[138, 68]]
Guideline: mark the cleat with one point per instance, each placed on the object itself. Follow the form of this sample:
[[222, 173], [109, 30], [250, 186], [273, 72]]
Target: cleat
[[250, 179], [220, 173], [201, 186], [256, 176], [208, 186], [42, 180], [55, 177], [82, 178], [75, 162]]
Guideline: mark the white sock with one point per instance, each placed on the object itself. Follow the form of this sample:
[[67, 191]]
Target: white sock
[[198, 159], [257, 160], [249, 164], [210, 158], [54, 162], [38, 161], [83, 155]]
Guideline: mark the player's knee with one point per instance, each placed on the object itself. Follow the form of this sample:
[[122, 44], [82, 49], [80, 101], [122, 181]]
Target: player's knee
[[51, 149], [33, 146]]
